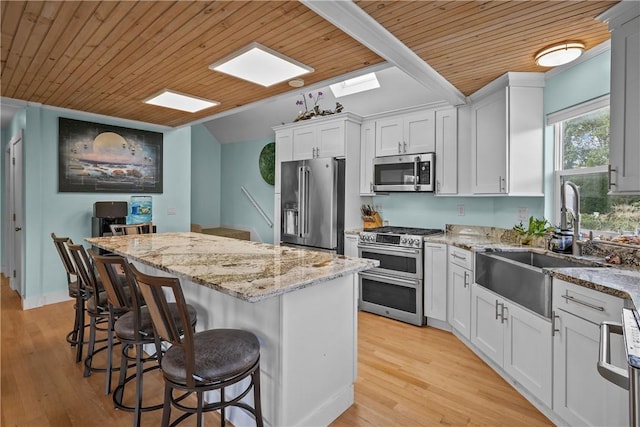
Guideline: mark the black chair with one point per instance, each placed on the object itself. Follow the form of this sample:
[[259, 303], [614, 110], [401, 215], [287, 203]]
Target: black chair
[[132, 325], [196, 363], [76, 336]]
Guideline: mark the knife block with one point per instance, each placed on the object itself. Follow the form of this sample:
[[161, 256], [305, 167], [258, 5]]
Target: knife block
[[372, 221]]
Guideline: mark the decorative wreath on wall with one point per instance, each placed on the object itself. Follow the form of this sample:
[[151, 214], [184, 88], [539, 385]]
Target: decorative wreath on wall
[[267, 163]]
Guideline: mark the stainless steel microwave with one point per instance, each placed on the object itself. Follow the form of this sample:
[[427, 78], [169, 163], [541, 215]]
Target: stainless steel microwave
[[408, 172]]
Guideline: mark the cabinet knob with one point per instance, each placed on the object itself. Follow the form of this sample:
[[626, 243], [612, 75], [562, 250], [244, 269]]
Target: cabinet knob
[[399, 147]]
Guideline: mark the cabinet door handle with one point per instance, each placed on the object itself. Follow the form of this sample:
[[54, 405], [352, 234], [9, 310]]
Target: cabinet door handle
[[554, 316], [437, 186], [455, 255], [404, 145], [502, 184], [586, 304], [498, 311], [399, 147], [466, 279], [503, 318], [610, 169], [370, 187]]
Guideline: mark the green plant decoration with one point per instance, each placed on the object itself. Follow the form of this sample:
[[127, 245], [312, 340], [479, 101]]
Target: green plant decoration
[[536, 228], [267, 162]]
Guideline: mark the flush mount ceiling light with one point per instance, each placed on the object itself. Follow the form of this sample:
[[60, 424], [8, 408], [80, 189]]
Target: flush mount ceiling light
[[261, 65], [559, 54], [355, 85], [178, 101]]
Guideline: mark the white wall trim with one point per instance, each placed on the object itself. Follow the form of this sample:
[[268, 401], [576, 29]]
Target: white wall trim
[[42, 300], [590, 54]]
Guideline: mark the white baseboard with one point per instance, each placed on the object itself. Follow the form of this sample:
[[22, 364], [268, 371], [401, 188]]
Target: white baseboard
[[42, 300]]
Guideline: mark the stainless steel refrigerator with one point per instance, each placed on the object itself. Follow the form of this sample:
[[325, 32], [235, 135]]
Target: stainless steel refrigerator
[[312, 203]]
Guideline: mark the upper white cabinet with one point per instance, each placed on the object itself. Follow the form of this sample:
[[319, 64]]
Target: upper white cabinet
[[507, 136], [367, 154], [624, 146], [319, 140], [408, 133], [446, 151]]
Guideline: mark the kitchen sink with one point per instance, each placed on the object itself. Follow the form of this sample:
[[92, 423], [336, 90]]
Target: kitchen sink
[[518, 276]]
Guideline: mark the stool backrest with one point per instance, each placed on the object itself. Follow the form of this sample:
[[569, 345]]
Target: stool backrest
[[157, 291], [60, 244], [120, 285], [88, 280]]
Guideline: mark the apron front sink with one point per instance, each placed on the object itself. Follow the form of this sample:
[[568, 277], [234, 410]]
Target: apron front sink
[[519, 277]]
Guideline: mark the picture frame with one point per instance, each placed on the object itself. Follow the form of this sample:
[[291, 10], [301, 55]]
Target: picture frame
[[100, 158]]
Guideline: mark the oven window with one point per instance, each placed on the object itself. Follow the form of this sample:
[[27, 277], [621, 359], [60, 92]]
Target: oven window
[[401, 263], [387, 295], [394, 174]]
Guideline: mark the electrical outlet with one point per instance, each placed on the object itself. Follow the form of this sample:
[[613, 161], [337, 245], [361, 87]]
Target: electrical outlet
[[378, 208], [171, 211], [460, 209], [523, 214]]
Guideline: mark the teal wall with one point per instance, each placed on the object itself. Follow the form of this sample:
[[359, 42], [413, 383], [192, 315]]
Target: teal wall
[[584, 81], [69, 214], [205, 177], [240, 168]]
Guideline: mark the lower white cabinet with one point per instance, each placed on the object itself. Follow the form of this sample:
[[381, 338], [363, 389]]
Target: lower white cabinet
[[515, 339], [580, 395], [459, 278], [435, 281], [351, 245]]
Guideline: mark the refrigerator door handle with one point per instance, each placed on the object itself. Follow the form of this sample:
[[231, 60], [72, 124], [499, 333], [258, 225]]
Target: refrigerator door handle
[[300, 201], [305, 201]]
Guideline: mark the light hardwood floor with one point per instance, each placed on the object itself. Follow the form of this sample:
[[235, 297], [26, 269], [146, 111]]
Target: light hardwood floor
[[407, 376]]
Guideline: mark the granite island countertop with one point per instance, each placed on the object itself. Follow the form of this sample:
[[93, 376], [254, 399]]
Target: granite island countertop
[[250, 271]]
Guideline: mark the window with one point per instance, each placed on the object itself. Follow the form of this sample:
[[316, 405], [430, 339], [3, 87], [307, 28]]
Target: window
[[582, 155]]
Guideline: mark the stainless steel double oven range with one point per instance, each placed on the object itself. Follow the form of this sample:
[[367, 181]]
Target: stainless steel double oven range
[[395, 288]]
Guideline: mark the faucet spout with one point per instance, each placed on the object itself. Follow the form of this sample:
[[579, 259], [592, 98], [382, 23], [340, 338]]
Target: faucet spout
[[576, 213]]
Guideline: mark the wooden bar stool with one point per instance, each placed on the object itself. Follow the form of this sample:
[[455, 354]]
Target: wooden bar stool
[[76, 336], [199, 362], [132, 325]]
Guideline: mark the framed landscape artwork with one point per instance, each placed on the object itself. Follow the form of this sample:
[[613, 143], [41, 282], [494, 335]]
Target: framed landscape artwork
[[94, 157]]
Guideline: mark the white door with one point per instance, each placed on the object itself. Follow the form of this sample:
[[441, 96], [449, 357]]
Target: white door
[[459, 299], [447, 151], [389, 136], [528, 351], [435, 281], [16, 234], [420, 132], [487, 330], [580, 395]]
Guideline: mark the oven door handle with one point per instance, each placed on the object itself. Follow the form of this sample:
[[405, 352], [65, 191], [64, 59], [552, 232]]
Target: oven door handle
[[391, 279], [612, 373], [388, 249]]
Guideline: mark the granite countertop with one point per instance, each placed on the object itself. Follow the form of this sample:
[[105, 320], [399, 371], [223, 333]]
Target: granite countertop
[[250, 271]]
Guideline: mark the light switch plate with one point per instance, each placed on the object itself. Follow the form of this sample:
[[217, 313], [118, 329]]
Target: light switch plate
[[523, 214], [171, 211], [460, 209]]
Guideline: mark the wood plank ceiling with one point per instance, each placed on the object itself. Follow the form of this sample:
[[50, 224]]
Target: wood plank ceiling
[[106, 57]]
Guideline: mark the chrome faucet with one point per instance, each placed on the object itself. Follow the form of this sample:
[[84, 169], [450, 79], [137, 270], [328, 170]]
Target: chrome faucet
[[576, 214]]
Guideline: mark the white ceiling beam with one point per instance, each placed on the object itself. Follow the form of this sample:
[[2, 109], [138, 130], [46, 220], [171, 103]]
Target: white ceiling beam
[[351, 19]]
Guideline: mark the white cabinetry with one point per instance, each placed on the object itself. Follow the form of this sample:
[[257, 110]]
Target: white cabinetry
[[367, 154], [435, 281], [351, 245], [507, 136], [580, 395], [516, 339], [324, 139], [460, 276], [406, 134], [446, 151], [284, 153], [624, 147]]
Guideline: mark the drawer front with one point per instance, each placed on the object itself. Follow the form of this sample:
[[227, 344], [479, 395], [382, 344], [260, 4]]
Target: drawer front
[[586, 303], [461, 257]]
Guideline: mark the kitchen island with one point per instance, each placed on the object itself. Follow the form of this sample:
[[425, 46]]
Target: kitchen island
[[301, 304]]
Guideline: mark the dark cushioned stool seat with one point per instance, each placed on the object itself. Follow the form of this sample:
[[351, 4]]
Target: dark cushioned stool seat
[[220, 353], [124, 327]]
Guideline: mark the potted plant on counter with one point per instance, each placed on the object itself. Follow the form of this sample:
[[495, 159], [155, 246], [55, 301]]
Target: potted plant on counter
[[535, 234]]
